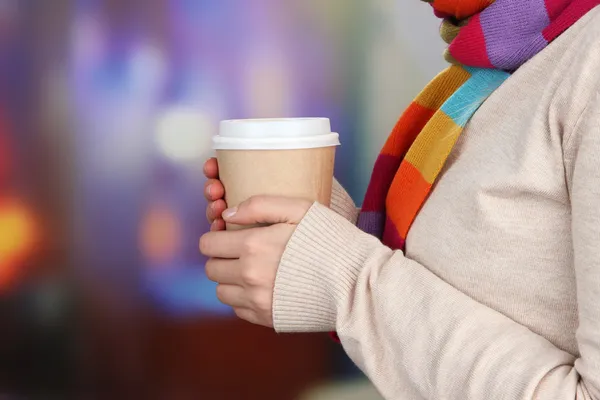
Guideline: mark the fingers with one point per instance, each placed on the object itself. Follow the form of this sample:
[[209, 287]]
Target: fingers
[[246, 314], [246, 305], [214, 190], [217, 225], [215, 209], [214, 193], [211, 168], [224, 272], [268, 210], [224, 244], [232, 295]]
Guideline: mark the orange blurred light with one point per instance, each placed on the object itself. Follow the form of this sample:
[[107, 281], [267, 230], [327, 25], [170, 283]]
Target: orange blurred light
[[160, 235], [17, 236]]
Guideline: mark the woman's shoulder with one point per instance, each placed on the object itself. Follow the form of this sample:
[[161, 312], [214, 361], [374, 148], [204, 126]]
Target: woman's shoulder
[[583, 54], [575, 81], [577, 99], [584, 45]]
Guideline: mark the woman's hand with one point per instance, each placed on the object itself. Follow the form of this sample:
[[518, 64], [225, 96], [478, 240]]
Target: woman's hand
[[244, 263], [214, 193]]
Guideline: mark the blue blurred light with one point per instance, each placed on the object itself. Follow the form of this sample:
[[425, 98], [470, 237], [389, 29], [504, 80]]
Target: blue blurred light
[[184, 291]]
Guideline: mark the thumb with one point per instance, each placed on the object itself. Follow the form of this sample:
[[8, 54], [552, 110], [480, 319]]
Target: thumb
[[268, 210]]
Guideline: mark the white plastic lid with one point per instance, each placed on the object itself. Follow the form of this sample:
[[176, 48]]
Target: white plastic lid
[[275, 134]]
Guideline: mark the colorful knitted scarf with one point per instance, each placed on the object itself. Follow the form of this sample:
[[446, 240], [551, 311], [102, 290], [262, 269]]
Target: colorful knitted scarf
[[488, 40]]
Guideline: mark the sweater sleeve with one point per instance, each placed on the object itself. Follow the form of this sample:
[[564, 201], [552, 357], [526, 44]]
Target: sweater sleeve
[[342, 203], [413, 333]]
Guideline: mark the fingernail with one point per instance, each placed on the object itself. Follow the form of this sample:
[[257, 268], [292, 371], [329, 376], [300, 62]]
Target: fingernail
[[230, 212], [208, 189]]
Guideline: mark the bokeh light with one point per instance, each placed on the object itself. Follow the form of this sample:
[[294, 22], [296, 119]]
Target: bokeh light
[[183, 133], [160, 235], [17, 237]]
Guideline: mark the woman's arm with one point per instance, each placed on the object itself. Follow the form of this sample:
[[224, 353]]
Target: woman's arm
[[416, 335], [406, 328]]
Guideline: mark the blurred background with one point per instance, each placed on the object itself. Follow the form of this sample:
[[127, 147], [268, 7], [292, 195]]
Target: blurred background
[[107, 108]]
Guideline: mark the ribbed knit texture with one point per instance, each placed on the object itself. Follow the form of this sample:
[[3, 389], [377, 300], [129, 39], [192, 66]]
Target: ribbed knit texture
[[342, 203], [331, 288], [496, 294]]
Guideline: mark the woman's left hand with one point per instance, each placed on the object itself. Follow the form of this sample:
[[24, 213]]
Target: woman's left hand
[[244, 263]]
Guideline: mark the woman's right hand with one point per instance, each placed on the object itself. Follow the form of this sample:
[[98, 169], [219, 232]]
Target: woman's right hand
[[214, 193]]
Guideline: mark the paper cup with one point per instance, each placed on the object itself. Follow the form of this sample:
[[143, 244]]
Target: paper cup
[[292, 157]]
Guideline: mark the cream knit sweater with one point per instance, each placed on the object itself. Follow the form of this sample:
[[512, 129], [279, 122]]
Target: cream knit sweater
[[498, 294]]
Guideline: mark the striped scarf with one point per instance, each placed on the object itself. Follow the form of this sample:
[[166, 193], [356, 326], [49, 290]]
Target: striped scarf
[[488, 40]]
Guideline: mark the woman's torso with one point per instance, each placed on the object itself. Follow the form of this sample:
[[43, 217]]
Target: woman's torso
[[497, 226]]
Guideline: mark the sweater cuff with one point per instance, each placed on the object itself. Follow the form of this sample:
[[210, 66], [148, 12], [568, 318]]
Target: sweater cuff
[[342, 203], [318, 271]]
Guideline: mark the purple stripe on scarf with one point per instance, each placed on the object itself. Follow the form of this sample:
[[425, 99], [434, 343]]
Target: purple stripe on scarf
[[512, 30], [371, 222]]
